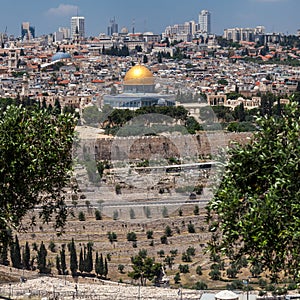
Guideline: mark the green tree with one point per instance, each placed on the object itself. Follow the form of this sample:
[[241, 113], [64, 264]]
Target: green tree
[[121, 268], [35, 149], [105, 268], [184, 268], [81, 216], [112, 236], [191, 228], [131, 236], [81, 261], [145, 59], [57, 107], [4, 254], [99, 265], [177, 278], [42, 259], [215, 273], [164, 239], [199, 270], [58, 265], [168, 231], [232, 272], [98, 215], [63, 260], [26, 257], [92, 115], [144, 268], [255, 211], [200, 285], [52, 246], [149, 234], [15, 254], [169, 260], [89, 258], [73, 258], [191, 251]]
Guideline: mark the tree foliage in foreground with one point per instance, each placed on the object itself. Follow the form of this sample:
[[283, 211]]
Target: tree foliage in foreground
[[35, 165], [256, 211], [144, 268]]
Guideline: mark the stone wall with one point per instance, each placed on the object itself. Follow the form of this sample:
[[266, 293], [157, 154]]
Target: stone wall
[[151, 147]]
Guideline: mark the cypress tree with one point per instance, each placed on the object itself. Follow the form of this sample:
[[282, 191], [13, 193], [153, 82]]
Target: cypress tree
[[63, 260], [89, 258], [58, 265], [73, 258], [15, 254], [26, 257], [105, 268], [81, 262], [42, 258], [57, 107], [97, 264], [101, 266], [4, 254]]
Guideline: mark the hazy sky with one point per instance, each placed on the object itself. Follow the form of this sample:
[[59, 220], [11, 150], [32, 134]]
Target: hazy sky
[[154, 15]]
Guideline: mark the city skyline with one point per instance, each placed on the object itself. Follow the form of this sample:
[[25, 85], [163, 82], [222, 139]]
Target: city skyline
[[47, 16]]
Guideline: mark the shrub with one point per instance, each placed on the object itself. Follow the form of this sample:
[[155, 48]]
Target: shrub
[[199, 270], [98, 215], [164, 239], [52, 246], [81, 216], [149, 234], [168, 231], [200, 285], [131, 236], [177, 278], [112, 236], [191, 251], [184, 268], [121, 268], [191, 228], [185, 257]]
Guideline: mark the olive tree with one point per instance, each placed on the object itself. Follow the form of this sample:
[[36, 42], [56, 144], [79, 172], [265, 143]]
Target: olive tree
[[256, 210], [35, 165]]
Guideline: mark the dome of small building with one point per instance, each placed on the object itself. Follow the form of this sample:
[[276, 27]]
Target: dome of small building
[[139, 75], [60, 56], [124, 30]]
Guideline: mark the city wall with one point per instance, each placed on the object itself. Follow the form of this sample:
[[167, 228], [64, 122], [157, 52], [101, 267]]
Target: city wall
[[155, 147]]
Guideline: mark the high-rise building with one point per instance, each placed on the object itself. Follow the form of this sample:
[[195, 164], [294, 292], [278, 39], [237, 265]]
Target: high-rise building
[[77, 27], [63, 33], [205, 22], [112, 28], [27, 31]]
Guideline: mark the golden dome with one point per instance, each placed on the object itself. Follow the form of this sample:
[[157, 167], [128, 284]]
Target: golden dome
[[139, 75]]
